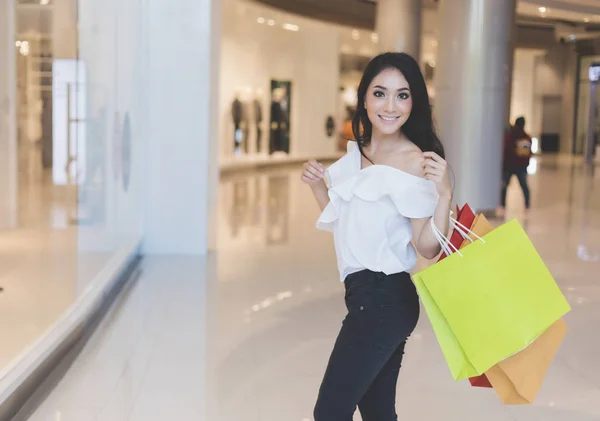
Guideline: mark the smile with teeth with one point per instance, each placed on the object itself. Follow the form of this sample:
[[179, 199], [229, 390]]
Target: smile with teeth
[[388, 118]]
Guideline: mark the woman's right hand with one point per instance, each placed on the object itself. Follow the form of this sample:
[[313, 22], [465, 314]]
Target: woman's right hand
[[313, 172]]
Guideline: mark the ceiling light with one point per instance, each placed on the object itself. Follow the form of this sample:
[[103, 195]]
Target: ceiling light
[[271, 22], [542, 9], [375, 37], [260, 20], [44, 2], [355, 35], [291, 27], [586, 19], [24, 48]]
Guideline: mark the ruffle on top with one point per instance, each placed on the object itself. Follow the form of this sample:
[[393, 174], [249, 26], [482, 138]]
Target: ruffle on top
[[413, 196], [369, 213]]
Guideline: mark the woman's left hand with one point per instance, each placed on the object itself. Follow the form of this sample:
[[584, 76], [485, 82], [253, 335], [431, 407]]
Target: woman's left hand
[[436, 170]]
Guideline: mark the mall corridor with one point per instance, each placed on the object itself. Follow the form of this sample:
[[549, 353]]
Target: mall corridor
[[245, 333], [159, 256]]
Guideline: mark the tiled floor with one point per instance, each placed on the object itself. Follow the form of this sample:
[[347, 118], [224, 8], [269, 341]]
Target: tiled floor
[[245, 333]]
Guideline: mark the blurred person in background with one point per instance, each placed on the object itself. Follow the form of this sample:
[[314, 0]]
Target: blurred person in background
[[516, 157], [381, 201]]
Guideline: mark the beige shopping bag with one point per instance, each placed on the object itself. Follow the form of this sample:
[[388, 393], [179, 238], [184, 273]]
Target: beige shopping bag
[[518, 379]]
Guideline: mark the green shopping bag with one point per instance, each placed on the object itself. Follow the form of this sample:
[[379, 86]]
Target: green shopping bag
[[491, 302]]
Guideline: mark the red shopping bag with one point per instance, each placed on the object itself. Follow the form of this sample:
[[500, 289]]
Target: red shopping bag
[[466, 217], [480, 381]]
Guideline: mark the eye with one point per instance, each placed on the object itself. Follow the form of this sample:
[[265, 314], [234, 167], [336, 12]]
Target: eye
[[379, 94], [404, 95]]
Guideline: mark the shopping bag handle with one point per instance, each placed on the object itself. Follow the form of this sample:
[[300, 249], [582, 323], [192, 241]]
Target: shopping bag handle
[[445, 243], [464, 231]]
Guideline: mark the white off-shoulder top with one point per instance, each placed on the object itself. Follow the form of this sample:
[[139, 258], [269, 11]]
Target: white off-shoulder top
[[369, 213]]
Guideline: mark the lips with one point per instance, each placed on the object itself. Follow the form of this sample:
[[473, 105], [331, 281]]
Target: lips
[[388, 119]]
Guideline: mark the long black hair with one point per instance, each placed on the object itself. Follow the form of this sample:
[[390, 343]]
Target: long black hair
[[419, 127]]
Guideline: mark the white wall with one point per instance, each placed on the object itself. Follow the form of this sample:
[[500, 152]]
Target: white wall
[[155, 63], [555, 84], [522, 99], [8, 138], [550, 72], [181, 101], [545, 76], [252, 54]]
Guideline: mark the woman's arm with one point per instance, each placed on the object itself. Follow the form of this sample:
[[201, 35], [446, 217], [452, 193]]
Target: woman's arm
[[313, 175], [434, 168], [425, 241], [320, 191]]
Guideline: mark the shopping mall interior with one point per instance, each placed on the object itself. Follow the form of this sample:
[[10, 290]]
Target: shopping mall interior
[[159, 252]]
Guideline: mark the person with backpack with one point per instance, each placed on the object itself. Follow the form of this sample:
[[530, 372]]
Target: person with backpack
[[517, 154]]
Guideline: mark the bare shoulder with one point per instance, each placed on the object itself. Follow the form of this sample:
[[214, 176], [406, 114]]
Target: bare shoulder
[[409, 160]]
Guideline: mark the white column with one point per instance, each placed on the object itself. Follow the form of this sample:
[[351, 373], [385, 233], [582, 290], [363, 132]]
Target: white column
[[8, 135], [568, 102], [398, 24], [471, 89], [64, 29], [182, 162]]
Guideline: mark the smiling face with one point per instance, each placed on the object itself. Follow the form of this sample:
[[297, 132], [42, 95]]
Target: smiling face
[[388, 102]]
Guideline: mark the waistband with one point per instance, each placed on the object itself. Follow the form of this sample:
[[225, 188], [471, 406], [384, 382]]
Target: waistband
[[367, 275]]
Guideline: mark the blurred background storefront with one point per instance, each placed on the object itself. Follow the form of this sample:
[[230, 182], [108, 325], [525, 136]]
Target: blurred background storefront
[[116, 118]]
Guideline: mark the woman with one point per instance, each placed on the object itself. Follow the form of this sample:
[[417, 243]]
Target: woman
[[380, 197]]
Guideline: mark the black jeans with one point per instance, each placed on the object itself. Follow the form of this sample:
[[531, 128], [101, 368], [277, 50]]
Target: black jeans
[[522, 176], [364, 365]]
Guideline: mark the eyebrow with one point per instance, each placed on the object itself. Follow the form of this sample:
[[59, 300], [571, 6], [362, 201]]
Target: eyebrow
[[385, 89]]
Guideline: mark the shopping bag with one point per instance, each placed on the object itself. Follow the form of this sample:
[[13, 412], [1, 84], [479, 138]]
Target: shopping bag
[[489, 301], [518, 379], [480, 381], [480, 226], [466, 217]]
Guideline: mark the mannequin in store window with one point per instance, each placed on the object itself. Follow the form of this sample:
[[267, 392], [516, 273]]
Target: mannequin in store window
[[236, 116], [245, 123], [258, 117], [279, 121], [383, 196]]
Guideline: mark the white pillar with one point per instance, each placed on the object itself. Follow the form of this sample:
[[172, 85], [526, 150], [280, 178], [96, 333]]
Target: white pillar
[[8, 135], [64, 29], [568, 102], [471, 88], [182, 142], [398, 24]]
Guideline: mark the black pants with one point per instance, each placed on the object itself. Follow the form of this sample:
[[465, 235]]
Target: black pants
[[365, 362], [521, 174]]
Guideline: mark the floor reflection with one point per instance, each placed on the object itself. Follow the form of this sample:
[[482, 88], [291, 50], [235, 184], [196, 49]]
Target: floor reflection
[[270, 309], [257, 208]]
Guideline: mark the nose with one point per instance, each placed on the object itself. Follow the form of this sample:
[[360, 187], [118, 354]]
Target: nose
[[389, 105]]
